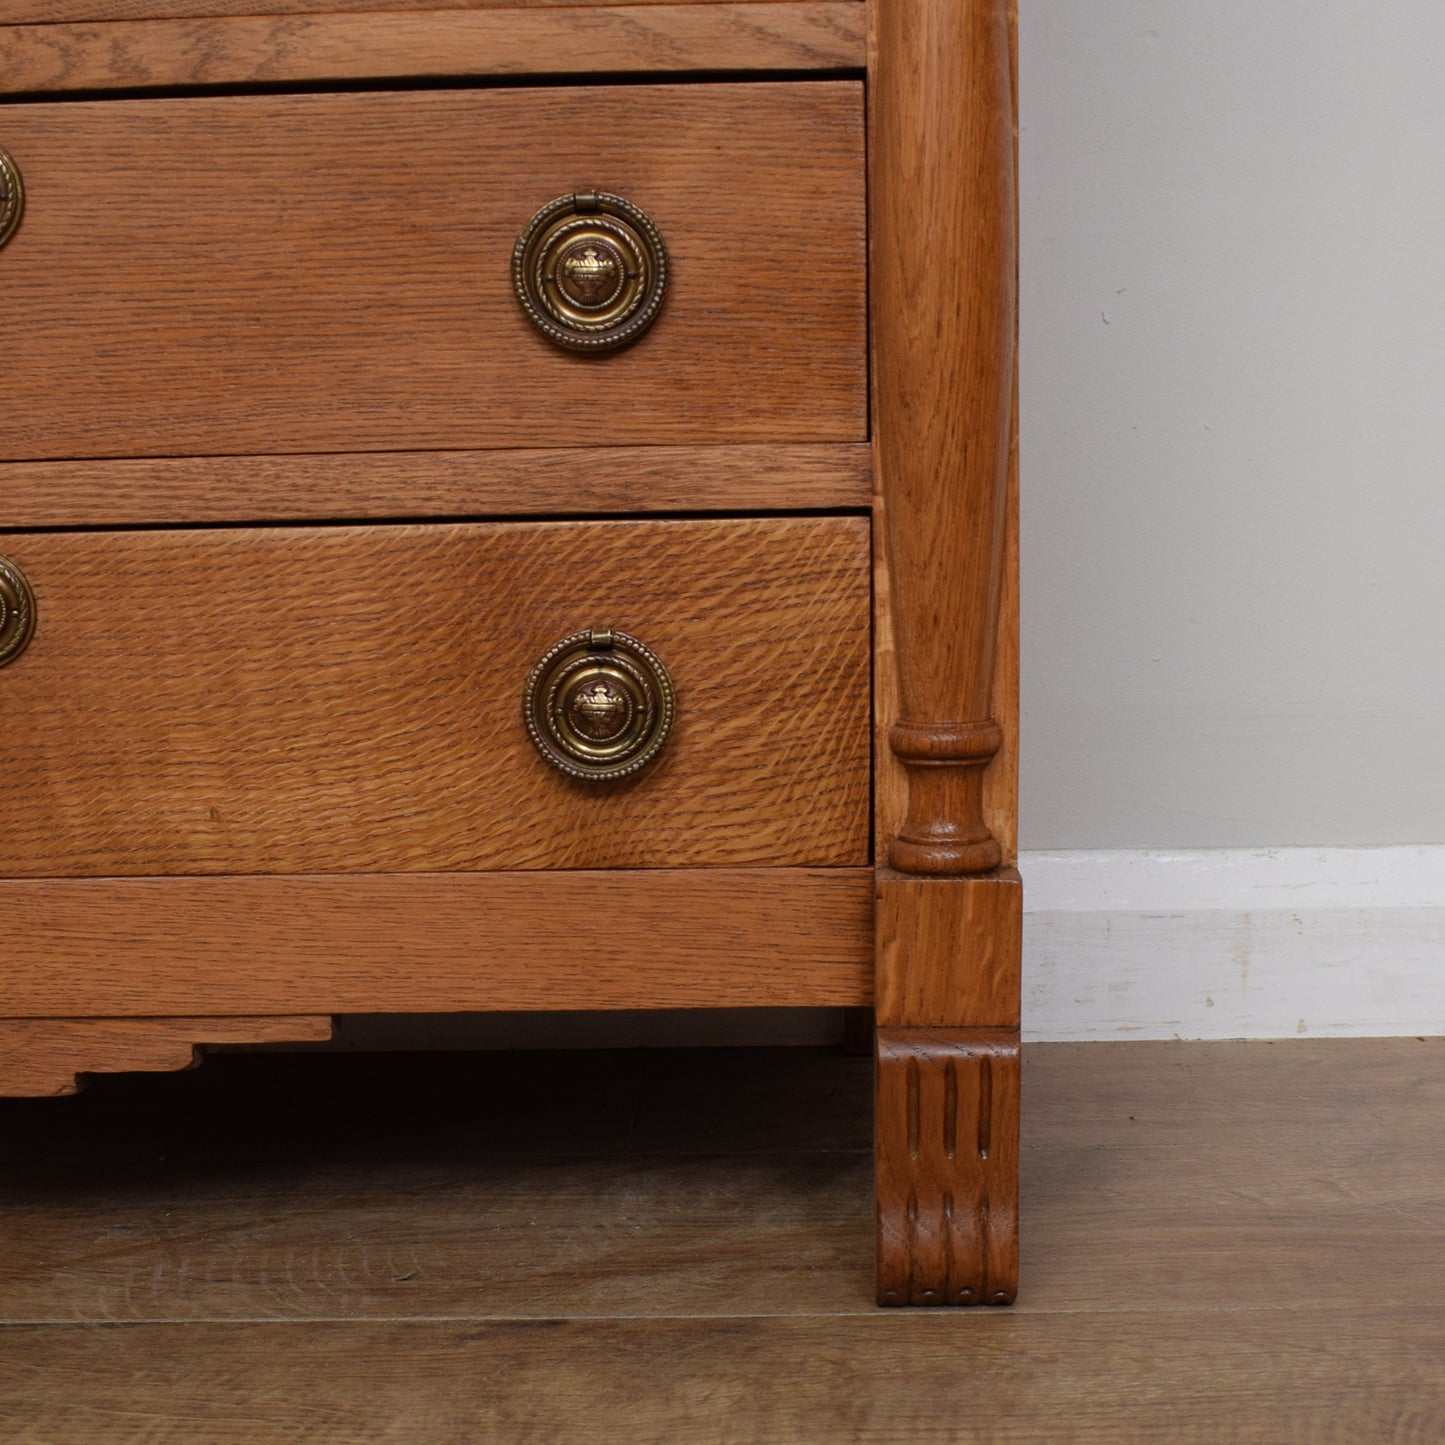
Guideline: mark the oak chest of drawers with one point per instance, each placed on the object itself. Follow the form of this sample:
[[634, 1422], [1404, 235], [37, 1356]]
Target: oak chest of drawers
[[511, 507]]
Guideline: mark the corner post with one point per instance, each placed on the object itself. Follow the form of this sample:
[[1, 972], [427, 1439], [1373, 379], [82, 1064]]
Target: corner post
[[943, 228], [943, 248]]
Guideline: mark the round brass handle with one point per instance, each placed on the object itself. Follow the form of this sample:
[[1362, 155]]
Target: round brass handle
[[590, 271], [17, 611], [12, 195], [599, 705]]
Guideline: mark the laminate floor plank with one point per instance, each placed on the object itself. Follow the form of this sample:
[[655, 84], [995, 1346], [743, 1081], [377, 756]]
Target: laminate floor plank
[[539, 1235], [1151, 1094], [1221, 1242], [1194, 1378], [536, 1238]]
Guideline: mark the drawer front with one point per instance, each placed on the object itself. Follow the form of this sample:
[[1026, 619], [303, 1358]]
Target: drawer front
[[311, 273], [344, 699]]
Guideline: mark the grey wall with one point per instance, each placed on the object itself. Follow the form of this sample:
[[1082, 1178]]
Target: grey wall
[[1233, 403]]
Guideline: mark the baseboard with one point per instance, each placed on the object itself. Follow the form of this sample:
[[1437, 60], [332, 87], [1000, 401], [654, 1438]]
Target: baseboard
[[1234, 943]]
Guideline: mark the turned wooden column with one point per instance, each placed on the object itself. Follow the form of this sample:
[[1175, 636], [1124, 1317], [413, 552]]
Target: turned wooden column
[[943, 234], [943, 251]]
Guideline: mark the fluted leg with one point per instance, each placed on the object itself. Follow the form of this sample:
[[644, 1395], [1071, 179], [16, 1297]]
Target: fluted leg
[[947, 1157]]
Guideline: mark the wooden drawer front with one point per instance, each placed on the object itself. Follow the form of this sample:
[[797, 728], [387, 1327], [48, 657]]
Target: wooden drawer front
[[283, 274], [349, 698], [48, 12]]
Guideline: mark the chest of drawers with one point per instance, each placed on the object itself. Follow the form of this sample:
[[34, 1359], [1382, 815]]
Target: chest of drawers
[[511, 507]]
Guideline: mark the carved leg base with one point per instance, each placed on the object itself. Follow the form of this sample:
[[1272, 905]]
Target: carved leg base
[[947, 1145]]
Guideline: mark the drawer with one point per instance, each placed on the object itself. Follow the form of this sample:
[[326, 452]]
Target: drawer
[[313, 273], [339, 699]]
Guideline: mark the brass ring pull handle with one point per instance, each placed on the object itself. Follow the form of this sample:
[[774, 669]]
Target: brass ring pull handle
[[12, 195], [590, 271], [599, 705], [17, 611]]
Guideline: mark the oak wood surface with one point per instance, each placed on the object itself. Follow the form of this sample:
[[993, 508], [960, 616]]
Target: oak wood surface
[[1000, 784], [947, 1166], [1001, 780], [52, 12], [348, 698], [362, 486], [943, 247], [934, 58], [890, 781], [943, 239], [357, 1226], [303, 273], [666, 938], [43, 1056], [948, 950], [442, 42]]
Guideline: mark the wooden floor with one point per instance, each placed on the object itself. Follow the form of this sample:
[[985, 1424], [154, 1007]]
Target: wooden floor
[[1222, 1243]]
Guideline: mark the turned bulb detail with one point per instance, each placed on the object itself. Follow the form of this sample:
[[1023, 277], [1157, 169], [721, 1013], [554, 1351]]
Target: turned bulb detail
[[944, 832]]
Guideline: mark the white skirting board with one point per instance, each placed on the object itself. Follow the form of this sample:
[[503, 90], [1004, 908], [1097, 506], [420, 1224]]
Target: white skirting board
[[1234, 943]]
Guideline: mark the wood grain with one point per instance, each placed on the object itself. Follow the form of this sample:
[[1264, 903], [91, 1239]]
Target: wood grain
[[1189, 1379], [367, 485], [303, 273], [1135, 1380], [44, 1056], [890, 780], [943, 239], [445, 1239], [633, 1245], [943, 236], [348, 698], [684, 938], [52, 12], [291, 49], [1001, 780], [947, 1166], [948, 950], [1235, 1179]]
